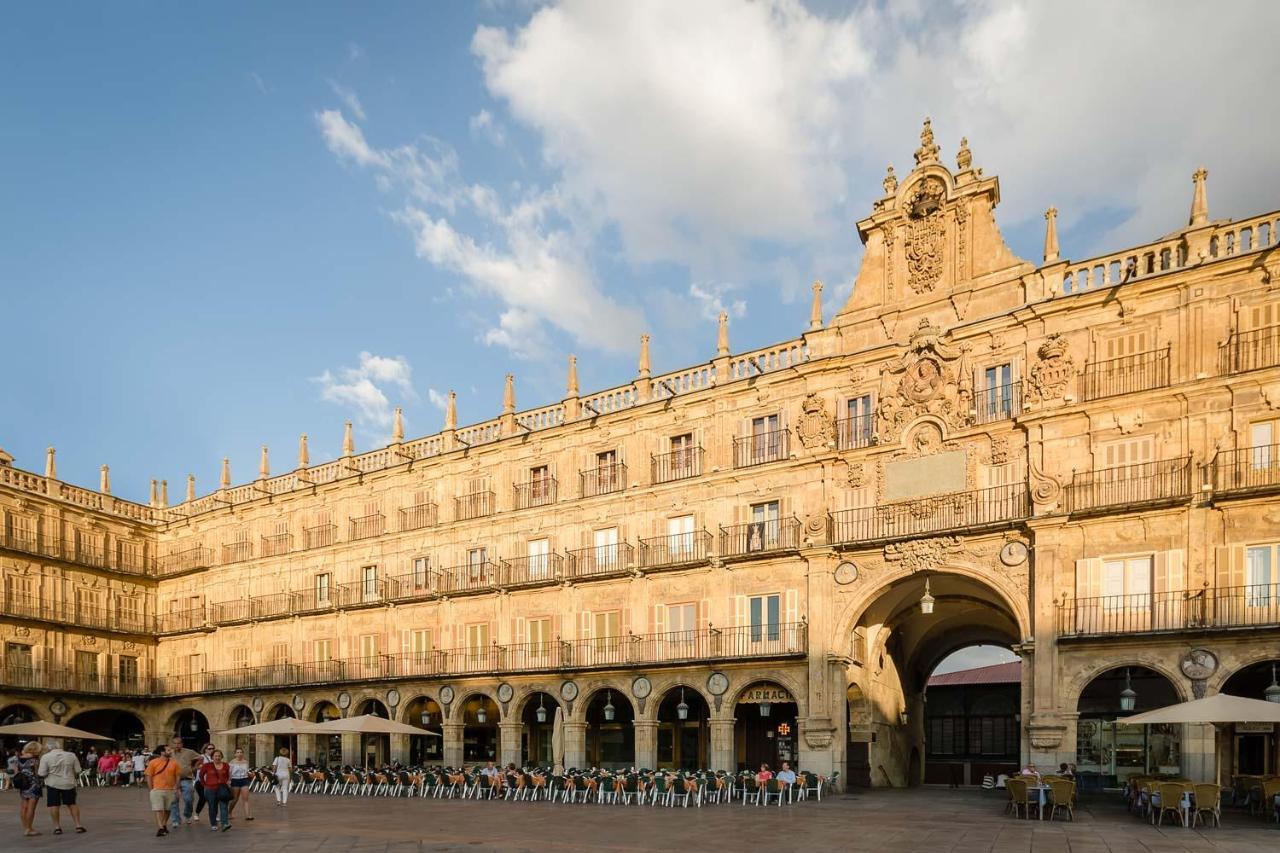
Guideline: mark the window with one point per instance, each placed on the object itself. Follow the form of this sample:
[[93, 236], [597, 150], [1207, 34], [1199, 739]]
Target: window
[[127, 667], [323, 651], [1259, 574], [1262, 440], [279, 654], [996, 400], [606, 549], [1123, 583], [477, 636], [765, 438], [764, 617], [127, 610], [322, 587], [607, 624], [682, 454], [87, 665], [762, 532], [607, 474], [240, 658], [369, 583], [369, 648], [680, 541], [539, 558], [682, 618], [17, 656], [539, 635], [420, 645], [860, 423], [421, 565], [539, 484], [477, 558], [1130, 451]]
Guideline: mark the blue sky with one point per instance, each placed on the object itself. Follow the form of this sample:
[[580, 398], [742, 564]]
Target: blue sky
[[211, 211]]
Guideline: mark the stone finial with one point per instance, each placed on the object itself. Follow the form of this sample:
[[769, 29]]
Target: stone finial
[[104, 480], [264, 464], [815, 310], [225, 481], [928, 150], [348, 440], [1051, 235], [51, 464], [509, 395], [890, 182], [191, 488], [397, 427], [722, 336], [1199, 200], [451, 412], [304, 454], [155, 493], [964, 157], [164, 493], [644, 357], [571, 387]]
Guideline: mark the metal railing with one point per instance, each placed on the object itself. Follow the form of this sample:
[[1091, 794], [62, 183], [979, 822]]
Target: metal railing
[[64, 680], [1250, 350], [474, 505], [602, 479], [186, 560], [1125, 375], [533, 570], [418, 516], [601, 560], [677, 465], [180, 621], [760, 537], [117, 559], [365, 526], [320, 536], [997, 403], [276, 544], [1247, 470], [857, 431], [235, 552], [675, 550], [112, 619], [995, 506], [536, 492], [470, 577], [762, 447], [1166, 480], [363, 592], [1226, 607]]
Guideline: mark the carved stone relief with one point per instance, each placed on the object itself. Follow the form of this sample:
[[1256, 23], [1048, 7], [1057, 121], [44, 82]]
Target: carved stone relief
[[918, 554], [1053, 371], [815, 427], [926, 236], [930, 378]]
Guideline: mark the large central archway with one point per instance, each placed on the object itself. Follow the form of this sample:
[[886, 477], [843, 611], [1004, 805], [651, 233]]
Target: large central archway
[[903, 631]]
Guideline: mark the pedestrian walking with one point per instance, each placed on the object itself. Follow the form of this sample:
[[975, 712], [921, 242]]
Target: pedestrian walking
[[187, 760], [60, 770], [240, 779], [28, 784], [124, 769], [215, 779], [139, 763], [206, 755], [162, 775], [283, 768]]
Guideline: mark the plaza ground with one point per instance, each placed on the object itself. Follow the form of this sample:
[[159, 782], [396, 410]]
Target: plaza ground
[[921, 819]]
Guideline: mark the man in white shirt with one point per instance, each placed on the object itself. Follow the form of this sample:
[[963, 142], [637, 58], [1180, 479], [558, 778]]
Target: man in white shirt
[[60, 769], [786, 775]]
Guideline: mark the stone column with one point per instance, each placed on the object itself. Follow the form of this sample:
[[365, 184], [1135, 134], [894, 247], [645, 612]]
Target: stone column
[[264, 747], [509, 735], [400, 748], [646, 743], [352, 751], [452, 744], [722, 757], [575, 745], [818, 728]]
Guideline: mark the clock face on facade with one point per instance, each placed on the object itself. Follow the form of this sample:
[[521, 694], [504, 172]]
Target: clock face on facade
[[446, 695], [1199, 664], [846, 573], [344, 700], [568, 691], [393, 697], [257, 704], [640, 688], [717, 683], [505, 692]]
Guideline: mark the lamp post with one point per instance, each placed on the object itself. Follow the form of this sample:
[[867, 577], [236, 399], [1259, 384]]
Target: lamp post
[[1128, 699]]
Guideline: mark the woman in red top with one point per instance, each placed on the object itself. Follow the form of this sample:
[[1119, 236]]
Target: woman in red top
[[215, 779]]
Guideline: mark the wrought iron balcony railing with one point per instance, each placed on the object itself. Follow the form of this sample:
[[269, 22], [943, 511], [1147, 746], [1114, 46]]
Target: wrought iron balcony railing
[[677, 465], [603, 479], [479, 576], [235, 552], [998, 403], [474, 505], [857, 431], [760, 538], [992, 507], [132, 560], [1249, 470], [320, 536], [114, 619], [419, 516], [181, 621], [677, 549], [277, 544], [186, 560], [366, 526], [1131, 486], [1250, 350], [1257, 605], [64, 680], [1125, 375], [539, 491], [760, 448], [601, 560], [533, 570]]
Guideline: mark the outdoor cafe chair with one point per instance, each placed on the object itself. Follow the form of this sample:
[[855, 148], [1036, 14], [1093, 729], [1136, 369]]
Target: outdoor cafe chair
[[750, 790], [1170, 796], [775, 789], [1270, 790], [1018, 802], [1208, 801], [1063, 792], [811, 783]]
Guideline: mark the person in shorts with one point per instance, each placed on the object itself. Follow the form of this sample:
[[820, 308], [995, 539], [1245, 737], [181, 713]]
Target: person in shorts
[[162, 776], [241, 776], [60, 770], [29, 784]]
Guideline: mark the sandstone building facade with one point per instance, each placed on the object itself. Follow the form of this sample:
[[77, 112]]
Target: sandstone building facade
[[732, 563]]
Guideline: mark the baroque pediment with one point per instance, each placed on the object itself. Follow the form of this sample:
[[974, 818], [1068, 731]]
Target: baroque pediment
[[931, 378]]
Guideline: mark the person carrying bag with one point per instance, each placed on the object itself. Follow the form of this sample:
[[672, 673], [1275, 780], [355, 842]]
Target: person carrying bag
[[215, 780]]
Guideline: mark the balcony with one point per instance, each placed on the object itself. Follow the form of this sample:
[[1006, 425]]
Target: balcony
[[89, 554], [274, 546], [1238, 607], [415, 586], [601, 561], [418, 516], [366, 592], [677, 465], [539, 491], [231, 612], [235, 552], [857, 431], [1125, 375], [320, 536], [1253, 350], [678, 549], [999, 506], [480, 576], [998, 403], [534, 570], [367, 526], [187, 560], [474, 505], [60, 680], [761, 448], [759, 538], [314, 600], [603, 479], [1127, 487], [181, 621], [1248, 471]]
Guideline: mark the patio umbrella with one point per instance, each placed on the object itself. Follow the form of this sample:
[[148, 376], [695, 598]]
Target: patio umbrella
[[41, 729], [1219, 708], [368, 724], [557, 741], [283, 726]]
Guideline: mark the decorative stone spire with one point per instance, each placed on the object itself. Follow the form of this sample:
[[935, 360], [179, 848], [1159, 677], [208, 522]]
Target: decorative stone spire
[[509, 395], [51, 464], [815, 310], [104, 480], [890, 182], [397, 427], [155, 493], [964, 157], [928, 150], [571, 387], [225, 482], [191, 488], [644, 357], [164, 493], [304, 455], [348, 441], [722, 337], [264, 465], [451, 412], [1051, 235], [1199, 201]]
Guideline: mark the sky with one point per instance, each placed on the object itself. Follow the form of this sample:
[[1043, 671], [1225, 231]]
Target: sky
[[222, 225]]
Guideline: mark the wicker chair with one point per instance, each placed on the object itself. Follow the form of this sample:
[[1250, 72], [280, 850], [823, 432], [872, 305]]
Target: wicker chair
[[1170, 794], [1064, 797], [1208, 801]]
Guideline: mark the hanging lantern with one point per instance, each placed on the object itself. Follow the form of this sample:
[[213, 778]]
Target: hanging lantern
[[542, 711], [926, 600], [194, 725], [481, 716], [1273, 692], [609, 710], [682, 710], [765, 708], [1128, 699], [426, 718]]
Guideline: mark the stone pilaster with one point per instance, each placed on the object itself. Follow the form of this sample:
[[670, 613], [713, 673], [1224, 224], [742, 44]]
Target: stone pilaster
[[400, 748], [453, 744], [351, 750], [646, 743], [575, 745], [722, 756], [509, 734]]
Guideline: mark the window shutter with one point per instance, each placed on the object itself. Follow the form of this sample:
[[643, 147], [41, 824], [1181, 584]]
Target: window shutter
[[1230, 567], [584, 625], [704, 613], [521, 631], [557, 626], [1088, 578], [625, 621], [659, 619], [1168, 572], [406, 641], [739, 610], [792, 610]]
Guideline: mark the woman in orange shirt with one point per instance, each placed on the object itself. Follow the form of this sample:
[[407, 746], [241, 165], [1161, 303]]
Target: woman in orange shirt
[[215, 779]]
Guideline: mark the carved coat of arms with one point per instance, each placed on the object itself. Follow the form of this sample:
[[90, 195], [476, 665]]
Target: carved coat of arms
[[815, 427], [931, 378], [926, 235], [1052, 373]]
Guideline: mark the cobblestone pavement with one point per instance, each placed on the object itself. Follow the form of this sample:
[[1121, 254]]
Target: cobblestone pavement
[[889, 821]]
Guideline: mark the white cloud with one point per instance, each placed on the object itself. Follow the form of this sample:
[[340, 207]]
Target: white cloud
[[363, 388], [259, 82], [710, 299], [349, 97], [484, 125], [437, 399]]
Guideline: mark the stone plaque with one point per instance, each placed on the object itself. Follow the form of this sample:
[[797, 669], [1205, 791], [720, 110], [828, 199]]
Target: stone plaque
[[926, 475]]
